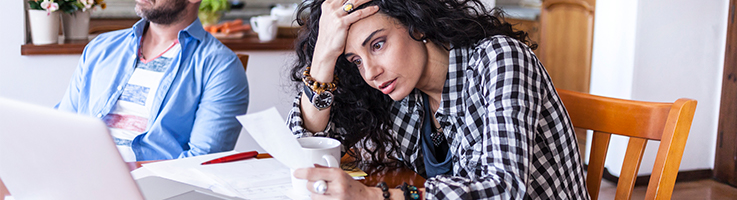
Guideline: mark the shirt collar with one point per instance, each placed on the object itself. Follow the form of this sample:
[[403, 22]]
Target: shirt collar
[[195, 29], [451, 100]]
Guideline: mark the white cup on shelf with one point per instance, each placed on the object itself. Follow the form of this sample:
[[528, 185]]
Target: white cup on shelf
[[265, 26]]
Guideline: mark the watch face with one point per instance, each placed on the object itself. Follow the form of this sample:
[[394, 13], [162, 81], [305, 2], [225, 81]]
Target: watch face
[[323, 100]]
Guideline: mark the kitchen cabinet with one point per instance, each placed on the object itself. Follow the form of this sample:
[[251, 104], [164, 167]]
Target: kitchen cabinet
[[566, 38]]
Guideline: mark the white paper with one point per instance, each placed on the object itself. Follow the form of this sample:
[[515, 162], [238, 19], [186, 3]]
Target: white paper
[[247, 179], [253, 178], [185, 170], [270, 132]]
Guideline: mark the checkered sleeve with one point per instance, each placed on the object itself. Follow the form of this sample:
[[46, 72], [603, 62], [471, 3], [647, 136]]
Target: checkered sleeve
[[296, 125], [503, 105]]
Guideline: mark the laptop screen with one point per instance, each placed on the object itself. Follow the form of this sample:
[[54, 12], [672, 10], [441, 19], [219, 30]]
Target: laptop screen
[[50, 154]]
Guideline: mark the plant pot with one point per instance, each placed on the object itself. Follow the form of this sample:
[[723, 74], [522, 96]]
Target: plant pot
[[44, 27], [76, 26]]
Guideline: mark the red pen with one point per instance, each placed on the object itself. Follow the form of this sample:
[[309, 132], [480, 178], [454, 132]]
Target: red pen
[[234, 157]]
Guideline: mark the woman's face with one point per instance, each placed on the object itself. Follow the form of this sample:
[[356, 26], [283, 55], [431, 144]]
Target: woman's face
[[385, 54]]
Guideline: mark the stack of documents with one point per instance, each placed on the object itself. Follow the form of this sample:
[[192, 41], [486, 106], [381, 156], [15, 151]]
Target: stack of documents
[[247, 179]]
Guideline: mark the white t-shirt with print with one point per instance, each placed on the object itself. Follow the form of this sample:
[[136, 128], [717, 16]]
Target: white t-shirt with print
[[129, 117]]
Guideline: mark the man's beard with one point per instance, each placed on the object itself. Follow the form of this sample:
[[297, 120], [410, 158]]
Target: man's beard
[[164, 15]]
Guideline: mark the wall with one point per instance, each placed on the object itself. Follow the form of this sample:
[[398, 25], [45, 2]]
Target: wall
[[662, 50], [613, 61], [269, 86], [36, 79]]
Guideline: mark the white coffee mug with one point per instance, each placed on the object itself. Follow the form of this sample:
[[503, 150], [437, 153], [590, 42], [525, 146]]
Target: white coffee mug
[[319, 150], [265, 26], [285, 14]]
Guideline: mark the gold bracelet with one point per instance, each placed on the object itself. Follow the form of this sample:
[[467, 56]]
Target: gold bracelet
[[318, 87]]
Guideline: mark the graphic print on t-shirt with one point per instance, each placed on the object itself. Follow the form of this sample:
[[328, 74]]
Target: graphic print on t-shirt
[[135, 94], [131, 112]]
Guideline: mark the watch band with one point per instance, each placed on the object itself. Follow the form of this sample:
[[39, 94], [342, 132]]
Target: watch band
[[308, 91], [320, 99], [319, 94]]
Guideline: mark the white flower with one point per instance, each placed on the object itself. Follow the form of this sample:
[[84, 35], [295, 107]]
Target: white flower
[[87, 4], [49, 6]]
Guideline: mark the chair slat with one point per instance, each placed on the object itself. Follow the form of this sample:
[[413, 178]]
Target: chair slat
[[630, 167], [670, 152], [599, 147]]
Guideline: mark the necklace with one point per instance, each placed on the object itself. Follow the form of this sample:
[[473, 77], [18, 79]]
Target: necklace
[[437, 135]]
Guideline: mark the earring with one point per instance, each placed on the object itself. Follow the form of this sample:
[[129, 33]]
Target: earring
[[424, 41]]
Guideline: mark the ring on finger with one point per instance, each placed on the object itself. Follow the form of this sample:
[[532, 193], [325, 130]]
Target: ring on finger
[[348, 7], [320, 186]]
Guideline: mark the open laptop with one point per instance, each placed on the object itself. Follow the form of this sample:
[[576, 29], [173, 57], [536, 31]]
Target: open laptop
[[50, 154]]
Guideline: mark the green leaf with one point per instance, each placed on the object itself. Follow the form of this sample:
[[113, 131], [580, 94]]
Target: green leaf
[[35, 5], [214, 6]]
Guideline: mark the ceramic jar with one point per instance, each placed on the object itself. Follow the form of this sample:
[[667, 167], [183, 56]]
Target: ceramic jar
[[76, 26], [44, 27]]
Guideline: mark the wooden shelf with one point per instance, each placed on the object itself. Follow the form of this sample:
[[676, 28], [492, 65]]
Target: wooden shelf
[[248, 43], [69, 47]]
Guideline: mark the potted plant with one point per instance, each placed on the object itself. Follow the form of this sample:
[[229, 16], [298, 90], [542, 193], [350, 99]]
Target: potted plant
[[76, 17], [212, 10], [44, 21]]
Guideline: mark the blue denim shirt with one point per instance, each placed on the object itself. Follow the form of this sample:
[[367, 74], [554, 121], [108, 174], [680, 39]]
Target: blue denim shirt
[[195, 105]]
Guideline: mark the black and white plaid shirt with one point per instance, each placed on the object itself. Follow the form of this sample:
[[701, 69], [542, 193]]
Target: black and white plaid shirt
[[509, 134]]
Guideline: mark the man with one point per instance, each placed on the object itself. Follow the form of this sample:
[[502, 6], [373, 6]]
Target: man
[[165, 87]]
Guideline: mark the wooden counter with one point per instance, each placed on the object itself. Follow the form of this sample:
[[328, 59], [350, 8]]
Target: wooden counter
[[248, 43]]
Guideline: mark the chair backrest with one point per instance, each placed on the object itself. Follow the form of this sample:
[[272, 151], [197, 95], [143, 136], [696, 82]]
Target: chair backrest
[[244, 60], [668, 123]]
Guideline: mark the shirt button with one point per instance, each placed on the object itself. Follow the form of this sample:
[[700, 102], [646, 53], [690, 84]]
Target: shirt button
[[477, 148], [120, 87], [99, 115]]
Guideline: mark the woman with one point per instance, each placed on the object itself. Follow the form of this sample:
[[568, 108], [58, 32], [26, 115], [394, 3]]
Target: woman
[[440, 86]]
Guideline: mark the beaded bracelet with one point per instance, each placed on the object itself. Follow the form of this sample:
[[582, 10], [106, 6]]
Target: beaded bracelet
[[410, 191], [384, 190], [317, 86]]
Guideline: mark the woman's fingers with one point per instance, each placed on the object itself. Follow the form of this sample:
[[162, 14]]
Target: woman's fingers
[[334, 188], [360, 14], [314, 174], [342, 7], [334, 178]]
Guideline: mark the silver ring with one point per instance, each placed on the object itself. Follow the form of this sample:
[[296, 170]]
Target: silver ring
[[348, 7], [320, 186]]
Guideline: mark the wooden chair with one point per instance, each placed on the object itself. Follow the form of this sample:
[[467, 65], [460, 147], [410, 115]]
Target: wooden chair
[[668, 123], [244, 60]]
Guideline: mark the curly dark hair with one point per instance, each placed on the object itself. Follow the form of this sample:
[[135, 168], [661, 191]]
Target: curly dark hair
[[363, 110]]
